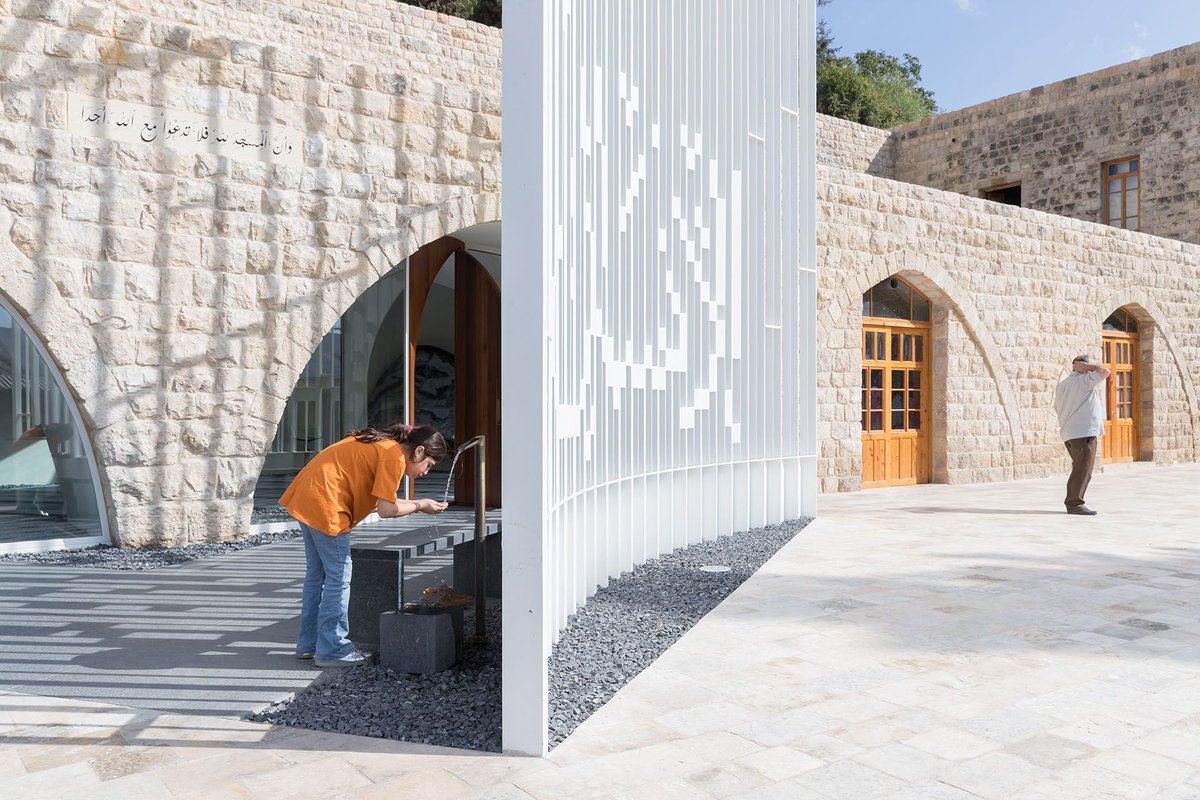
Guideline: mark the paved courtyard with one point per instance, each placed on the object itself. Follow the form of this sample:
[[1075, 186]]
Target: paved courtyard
[[924, 642]]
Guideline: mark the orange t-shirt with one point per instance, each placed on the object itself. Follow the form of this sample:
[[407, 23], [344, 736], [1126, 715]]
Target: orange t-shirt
[[342, 483]]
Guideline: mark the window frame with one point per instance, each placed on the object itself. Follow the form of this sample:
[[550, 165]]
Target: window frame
[[1133, 172]]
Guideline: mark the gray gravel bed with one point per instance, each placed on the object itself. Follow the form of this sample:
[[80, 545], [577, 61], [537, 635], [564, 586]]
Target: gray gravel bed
[[620, 631], [632, 621], [456, 708], [143, 558], [270, 514]]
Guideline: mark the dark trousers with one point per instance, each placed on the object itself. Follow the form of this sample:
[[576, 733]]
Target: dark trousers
[[1083, 458]]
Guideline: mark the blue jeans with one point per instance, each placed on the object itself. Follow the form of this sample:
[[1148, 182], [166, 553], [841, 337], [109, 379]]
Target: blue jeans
[[325, 607]]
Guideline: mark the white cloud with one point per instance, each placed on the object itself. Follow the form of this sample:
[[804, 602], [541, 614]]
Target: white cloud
[[967, 6], [1142, 31], [1132, 52]]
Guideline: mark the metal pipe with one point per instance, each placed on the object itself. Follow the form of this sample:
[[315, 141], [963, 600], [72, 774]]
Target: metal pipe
[[480, 532], [480, 544]]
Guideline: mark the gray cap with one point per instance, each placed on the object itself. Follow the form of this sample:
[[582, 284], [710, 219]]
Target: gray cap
[[1081, 360]]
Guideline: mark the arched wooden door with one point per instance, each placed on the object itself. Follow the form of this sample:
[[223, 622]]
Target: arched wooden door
[[477, 355], [896, 352], [1120, 356]]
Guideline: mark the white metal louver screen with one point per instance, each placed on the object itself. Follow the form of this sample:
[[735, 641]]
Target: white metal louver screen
[[658, 304]]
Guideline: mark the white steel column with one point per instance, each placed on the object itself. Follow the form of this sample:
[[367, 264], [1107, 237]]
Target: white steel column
[[524, 457]]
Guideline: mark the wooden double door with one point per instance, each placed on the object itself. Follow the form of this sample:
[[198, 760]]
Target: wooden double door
[[1120, 442], [896, 387]]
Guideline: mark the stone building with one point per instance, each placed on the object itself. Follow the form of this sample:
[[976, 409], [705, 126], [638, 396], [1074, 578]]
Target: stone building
[[1055, 221], [210, 211]]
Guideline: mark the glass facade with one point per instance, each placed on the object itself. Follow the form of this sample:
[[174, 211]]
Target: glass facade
[[47, 484]]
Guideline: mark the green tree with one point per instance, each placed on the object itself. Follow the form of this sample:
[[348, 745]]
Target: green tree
[[486, 12], [872, 88]]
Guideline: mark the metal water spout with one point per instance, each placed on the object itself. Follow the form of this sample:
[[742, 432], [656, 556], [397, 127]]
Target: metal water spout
[[480, 528]]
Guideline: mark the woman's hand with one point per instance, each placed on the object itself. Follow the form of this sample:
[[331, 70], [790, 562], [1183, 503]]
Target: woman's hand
[[428, 506]]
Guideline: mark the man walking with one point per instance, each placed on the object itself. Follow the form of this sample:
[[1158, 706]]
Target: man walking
[[1079, 403]]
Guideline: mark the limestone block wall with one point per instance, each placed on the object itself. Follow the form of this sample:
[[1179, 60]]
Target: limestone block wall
[[1016, 293], [182, 286], [857, 148], [1053, 140]]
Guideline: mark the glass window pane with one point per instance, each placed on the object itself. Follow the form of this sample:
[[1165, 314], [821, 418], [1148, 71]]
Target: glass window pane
[[1113, 323], [877, 399], [914, 420], [1131, 182], [920, 309], [1130, 323], [919, 355], [908, 354], [892, 302], [914, 399], [1131, 204], [876, 379], [914, 379], [1114, 186], [1131, 223], [866, 303], [895, 347], [880, 351], [1112, 169], [46, 486], [876, 420], [897, 420], [1123, 167], [1133, 165], [864, 420], [864, 379], [869, 346], [897, 400], [898, 379]]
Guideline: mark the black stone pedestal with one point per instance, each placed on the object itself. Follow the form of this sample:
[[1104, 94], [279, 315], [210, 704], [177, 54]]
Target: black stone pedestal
[[375, 586], [464, 566], [420, 642]]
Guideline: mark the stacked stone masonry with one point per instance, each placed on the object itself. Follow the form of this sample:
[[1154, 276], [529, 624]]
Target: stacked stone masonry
[[1054, 139], [181, 293], [1016, 293]]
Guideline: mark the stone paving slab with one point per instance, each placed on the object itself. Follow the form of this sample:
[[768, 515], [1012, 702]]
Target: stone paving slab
[[925, 642]]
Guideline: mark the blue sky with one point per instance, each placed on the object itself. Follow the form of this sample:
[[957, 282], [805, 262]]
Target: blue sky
[[972, 51]]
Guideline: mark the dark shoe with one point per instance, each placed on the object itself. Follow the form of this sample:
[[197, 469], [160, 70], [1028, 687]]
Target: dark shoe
[[308, 656], [1082, 510]]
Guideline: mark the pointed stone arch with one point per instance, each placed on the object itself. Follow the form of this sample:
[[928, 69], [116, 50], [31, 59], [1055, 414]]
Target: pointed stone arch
[[950, 308], [1159, 358]]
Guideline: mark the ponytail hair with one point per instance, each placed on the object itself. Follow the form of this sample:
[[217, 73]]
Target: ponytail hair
[[425, 436]]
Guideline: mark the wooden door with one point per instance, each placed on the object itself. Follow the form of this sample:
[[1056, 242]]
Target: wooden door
[[476, 375], [1120, 425], [895, 403]]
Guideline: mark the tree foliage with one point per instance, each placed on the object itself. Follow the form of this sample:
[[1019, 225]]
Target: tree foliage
[[872, 88], [486, 12]]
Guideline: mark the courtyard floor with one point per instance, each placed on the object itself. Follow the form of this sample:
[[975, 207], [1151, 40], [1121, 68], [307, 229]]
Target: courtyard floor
[[924, 642]]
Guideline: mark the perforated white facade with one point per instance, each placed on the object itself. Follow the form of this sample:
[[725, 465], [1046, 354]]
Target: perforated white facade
[[659, 310]]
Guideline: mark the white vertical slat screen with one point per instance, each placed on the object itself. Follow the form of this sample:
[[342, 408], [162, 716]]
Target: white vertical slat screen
[[658, 210]]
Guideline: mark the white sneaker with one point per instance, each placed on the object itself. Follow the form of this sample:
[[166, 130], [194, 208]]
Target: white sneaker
[[351, 659]]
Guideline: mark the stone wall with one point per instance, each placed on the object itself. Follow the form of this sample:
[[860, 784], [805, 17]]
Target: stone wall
[[181, 290], [857, 148], [1053, 140], [1016, 293]]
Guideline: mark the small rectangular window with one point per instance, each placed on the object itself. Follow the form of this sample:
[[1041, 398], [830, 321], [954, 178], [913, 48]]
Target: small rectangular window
[[1122, 208], [1009, 195]]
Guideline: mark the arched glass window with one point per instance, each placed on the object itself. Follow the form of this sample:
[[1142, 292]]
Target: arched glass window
[[894, 298], [48, 495], [1121, 320]]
